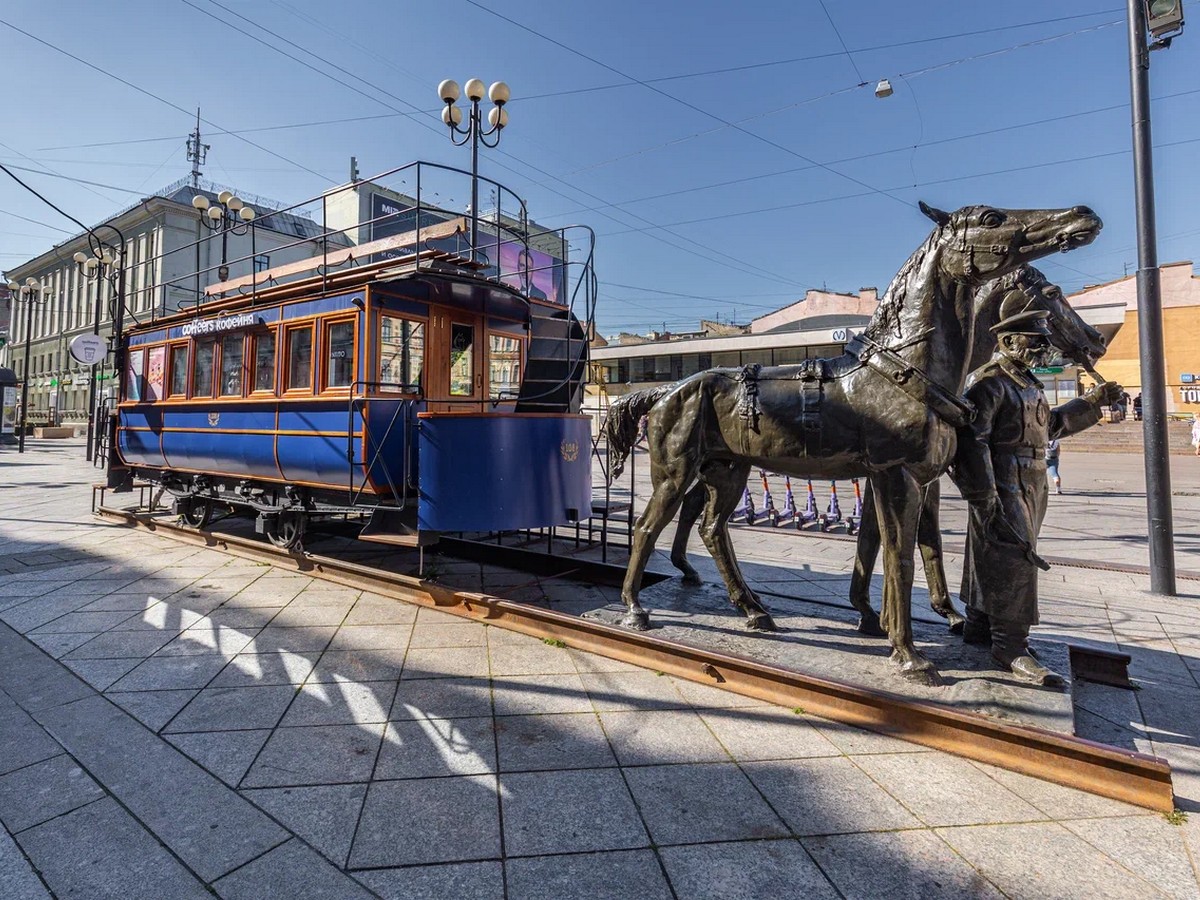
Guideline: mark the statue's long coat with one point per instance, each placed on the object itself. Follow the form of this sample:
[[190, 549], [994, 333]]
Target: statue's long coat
[[1003, 452]]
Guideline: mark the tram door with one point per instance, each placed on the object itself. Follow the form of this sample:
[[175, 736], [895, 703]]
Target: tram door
[[456, 363]]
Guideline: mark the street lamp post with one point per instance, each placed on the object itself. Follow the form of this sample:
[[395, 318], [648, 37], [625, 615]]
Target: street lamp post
[[474, 132], [1163, 19], [32, 292], [92, 268], [228, 214]]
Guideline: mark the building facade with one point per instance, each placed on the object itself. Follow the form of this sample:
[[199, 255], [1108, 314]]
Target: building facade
[[1112, 308], [817, 326], [170, 257]]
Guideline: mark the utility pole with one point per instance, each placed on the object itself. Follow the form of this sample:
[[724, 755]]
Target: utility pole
[[197, 152], [1163, 19]]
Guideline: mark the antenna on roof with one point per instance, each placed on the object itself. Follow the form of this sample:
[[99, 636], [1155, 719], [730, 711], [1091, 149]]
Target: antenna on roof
[[196, 152]]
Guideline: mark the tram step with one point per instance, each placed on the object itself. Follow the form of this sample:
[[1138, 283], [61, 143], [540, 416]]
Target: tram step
[[396, 539], [396, 527]]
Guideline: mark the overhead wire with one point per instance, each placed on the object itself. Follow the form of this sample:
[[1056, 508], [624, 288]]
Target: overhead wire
[[160, 99]]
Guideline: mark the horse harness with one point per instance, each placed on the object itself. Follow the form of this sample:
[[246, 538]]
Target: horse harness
[[813, 374]]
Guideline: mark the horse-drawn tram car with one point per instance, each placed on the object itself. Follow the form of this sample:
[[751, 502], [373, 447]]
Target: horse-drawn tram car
[[413, 384]]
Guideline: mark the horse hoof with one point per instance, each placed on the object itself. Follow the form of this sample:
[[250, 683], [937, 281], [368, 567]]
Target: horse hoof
[[761, 622], [637, 621], [869, 625], [692, 579], [918, 671], [956, 623]]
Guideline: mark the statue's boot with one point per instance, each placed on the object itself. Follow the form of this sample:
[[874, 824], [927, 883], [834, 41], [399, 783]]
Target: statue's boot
[[978, 628], [1010, 649]]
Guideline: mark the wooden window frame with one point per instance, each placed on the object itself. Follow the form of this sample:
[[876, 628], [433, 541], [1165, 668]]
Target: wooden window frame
[[378, 361], [212, 378], [187, 367], [285, 384], [219, 368], [255, 390], [326, 326], [522, 353]]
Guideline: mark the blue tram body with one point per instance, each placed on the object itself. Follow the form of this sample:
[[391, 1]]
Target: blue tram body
[[443, 400]]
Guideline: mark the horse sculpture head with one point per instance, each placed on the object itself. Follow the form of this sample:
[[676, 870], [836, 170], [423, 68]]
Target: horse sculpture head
[[979, 243], [1027, 288]]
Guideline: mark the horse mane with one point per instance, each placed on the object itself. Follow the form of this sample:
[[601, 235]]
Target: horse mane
[[886, 321]]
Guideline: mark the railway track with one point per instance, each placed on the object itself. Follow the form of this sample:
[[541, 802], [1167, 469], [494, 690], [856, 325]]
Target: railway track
[[1099, 769]]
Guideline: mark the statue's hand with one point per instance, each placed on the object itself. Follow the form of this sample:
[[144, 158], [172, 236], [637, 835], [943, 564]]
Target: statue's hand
[[1106, 394]]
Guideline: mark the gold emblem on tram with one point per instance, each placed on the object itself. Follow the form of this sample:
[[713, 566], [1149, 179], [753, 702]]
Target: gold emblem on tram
[[214, 419], [569, 450]]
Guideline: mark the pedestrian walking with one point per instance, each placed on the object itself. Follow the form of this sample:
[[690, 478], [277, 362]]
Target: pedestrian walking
[[1137, 408], [1196, 432], [1052, 464]]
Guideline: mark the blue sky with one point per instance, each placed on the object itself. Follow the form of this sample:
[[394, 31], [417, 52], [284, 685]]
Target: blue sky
[[722, 152]]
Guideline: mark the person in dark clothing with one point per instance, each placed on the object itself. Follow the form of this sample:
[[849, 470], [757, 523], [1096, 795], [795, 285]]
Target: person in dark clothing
[[1137, 408]]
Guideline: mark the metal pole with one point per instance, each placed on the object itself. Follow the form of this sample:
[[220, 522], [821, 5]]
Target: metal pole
[[25, 380], [119, 477], [475, 126], [1156, 446], [91, 429]]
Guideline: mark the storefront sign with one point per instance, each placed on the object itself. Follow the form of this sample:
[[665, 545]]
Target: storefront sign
[[221, 324], [88, 349], [1187, 378], [1189, 395]]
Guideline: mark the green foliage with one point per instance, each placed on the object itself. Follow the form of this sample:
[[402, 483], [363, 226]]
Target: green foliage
[[553, 642], [1176, 817]]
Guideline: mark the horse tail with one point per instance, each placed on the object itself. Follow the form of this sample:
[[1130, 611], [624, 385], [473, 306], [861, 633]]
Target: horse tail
[[621, 425]]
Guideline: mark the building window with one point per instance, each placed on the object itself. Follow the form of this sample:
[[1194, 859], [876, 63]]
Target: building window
[[339, 355], [264, 361], [504, 367], [728, 358], [299, 359], [262, 262], [401, 353], [179, 370], [202, 369], [233, 348]]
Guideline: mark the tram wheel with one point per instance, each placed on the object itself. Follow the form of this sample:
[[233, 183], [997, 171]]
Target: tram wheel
[[287, 532], [198, 512]]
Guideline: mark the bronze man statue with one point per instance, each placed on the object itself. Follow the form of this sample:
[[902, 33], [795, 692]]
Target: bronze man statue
[[1000, 468]]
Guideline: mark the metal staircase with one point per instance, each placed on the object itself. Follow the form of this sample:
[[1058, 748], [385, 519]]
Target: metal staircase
[[556, 367]]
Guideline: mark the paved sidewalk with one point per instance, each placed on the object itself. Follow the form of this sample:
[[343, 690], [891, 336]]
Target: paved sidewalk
[[175, 722]]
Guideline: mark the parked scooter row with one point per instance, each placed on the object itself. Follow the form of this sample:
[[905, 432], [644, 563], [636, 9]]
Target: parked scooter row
[[789, 513]]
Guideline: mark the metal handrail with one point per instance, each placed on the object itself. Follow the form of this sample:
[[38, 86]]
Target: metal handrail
[[403, 405]]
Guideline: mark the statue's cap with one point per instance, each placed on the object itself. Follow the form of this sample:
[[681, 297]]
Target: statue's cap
[[1032, 321]]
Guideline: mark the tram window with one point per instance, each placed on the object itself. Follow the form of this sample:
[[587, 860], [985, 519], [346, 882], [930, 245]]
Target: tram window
[[233, 348], [179, 370], [202, 369], [264, 361], [401, 353], [762, 357], [462, 360], [339, 349], [728, 358], [504, 367], [299, 359]]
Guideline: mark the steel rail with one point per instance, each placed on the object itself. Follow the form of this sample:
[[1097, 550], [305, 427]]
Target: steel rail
[[1071, 761]]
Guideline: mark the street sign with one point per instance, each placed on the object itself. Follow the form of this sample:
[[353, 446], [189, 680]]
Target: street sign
[[1048, 370], [88, 349]]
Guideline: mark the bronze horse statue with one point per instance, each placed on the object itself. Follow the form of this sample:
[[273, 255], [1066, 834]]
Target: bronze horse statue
[[1075, 339], [887, 409]]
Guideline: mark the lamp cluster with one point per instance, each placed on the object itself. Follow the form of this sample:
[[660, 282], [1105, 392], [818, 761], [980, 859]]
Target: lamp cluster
[[498, 93], [226, 201]]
